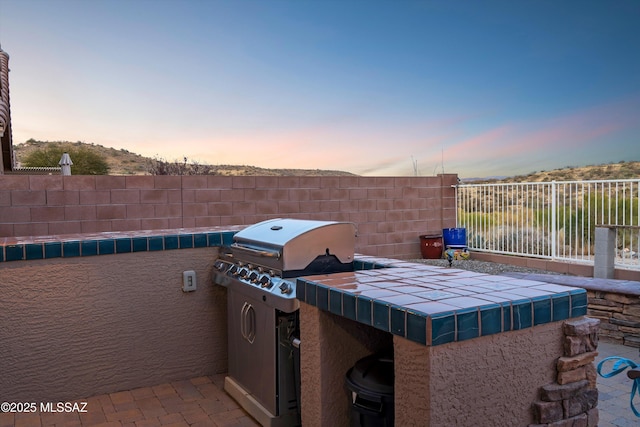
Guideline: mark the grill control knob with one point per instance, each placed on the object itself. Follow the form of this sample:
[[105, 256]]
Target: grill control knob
[[253, 276], [265, 282], [233, 270], [286, 288], [220, 266], [243, 273]]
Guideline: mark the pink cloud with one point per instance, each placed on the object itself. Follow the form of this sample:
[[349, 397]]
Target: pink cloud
[[577, 129], [568, 132]]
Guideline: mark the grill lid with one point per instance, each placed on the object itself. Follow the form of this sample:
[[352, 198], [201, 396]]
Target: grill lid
[[293, 244]]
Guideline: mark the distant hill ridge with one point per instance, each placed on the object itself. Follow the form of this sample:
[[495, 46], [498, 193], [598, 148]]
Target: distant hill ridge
[[607, 171], [124, 162]]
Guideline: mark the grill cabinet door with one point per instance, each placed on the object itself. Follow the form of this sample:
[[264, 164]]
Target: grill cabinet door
[[252, 347]]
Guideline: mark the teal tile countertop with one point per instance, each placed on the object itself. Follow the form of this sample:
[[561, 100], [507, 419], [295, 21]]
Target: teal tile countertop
[[108, 243], [437, 305]]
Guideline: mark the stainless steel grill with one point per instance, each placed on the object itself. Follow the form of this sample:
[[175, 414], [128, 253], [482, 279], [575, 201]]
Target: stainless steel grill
[[259, 273]]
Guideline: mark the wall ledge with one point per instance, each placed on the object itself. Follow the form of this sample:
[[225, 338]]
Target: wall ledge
[[109, 243], [627, 287]]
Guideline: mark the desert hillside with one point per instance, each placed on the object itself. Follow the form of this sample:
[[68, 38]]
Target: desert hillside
[[124, 162], [620, 170]]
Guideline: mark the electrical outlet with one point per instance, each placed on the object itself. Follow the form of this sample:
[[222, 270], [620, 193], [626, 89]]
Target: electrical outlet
[[188, 281]]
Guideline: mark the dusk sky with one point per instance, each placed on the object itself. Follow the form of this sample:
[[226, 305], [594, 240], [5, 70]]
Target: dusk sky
[[477, 88]]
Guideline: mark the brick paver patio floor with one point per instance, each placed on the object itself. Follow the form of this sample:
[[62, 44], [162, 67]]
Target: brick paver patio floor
[[199, 402], [202, 402], [614, 392]]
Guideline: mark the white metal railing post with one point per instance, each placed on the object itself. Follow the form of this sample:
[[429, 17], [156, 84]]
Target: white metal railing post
[[455, 191], [553, 219]]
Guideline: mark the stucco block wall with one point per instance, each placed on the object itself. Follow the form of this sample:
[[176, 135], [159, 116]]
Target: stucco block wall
[[78, 327], [490, 380], [390, 212]]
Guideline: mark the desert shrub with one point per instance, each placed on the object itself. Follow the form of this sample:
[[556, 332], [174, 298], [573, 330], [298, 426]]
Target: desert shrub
[[160, 166], [85, 161]]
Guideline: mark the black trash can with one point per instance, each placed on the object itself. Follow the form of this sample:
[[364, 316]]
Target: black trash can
[[371, 384]]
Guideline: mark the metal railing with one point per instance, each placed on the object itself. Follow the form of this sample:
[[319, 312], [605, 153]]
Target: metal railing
[[553, 220], [35, 171]]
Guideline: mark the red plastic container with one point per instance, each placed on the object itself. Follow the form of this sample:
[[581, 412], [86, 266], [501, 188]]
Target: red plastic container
[[431, 246]]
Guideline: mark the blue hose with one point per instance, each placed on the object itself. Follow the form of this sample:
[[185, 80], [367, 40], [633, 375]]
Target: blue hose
[[619, 366]]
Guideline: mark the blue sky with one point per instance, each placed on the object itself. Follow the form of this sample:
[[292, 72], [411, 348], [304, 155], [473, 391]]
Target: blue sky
[[477, 88]]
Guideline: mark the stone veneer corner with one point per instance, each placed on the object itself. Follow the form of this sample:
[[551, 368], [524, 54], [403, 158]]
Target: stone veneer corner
[[573, 398]]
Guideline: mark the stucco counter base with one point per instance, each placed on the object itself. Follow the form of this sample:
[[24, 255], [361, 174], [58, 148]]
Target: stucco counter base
[[491, 368]]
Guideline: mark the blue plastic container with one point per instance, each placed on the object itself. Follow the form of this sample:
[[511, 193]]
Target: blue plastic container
[[454, 237]]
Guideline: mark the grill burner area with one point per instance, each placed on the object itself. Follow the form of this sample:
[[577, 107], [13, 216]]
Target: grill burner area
[[263, 323]]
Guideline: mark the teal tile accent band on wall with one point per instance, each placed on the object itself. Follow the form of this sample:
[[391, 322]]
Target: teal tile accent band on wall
[[140, 244], [214, 239], [124, 246], [156, 243], [34, 251], [106, 247], [88, 248], [171, 242], [227, 239], [53, 250], [70, 249], [186, 241], [200, 240], [14, 252], [95, 245]]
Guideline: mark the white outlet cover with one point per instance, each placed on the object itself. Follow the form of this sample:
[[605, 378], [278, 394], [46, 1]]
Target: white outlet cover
[[189, 281]]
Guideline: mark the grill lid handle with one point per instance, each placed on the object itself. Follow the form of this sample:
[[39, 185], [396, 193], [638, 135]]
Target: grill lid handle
[[257, 252]]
